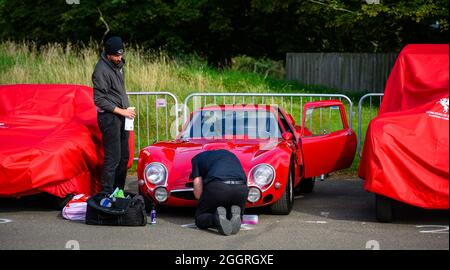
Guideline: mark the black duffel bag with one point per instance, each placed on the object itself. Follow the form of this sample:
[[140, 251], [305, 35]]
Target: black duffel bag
[[123, 211]]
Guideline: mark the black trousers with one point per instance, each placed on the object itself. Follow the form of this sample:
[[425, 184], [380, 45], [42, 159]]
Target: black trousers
[[116, 151], [215, 194]]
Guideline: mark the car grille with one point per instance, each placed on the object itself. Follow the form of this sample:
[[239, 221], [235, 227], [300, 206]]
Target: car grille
[[185, 195]]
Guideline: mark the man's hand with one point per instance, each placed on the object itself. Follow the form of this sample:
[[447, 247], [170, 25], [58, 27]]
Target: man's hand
[[126, 113]]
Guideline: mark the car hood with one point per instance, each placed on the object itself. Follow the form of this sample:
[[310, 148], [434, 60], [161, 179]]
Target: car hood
[[177, 155]]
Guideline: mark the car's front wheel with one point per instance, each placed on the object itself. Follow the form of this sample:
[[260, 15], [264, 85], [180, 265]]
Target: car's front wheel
[[284, 205]]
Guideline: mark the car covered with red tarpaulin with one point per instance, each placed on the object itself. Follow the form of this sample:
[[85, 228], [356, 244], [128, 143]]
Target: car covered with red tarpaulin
[[405, 156], [49, 140]]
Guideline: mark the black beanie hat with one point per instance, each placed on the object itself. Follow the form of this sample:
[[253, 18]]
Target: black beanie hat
[[114, 45]]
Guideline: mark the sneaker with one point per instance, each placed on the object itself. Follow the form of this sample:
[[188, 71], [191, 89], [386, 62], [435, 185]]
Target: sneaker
[[235, 219], [223, 224]]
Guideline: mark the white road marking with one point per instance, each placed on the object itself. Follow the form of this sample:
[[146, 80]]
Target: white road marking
[[316, 222], [244, 227], [373, 245], [190, 225], [73, 245], [5, 220], [433, 228]]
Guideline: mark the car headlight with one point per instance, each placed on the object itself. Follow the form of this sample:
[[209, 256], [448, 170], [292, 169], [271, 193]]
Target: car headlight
[[254, 194], [155, 173], [161, 194], [263, 175]]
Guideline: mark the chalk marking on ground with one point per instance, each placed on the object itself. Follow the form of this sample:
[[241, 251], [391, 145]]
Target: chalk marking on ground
[[316, 221], [5, 220], [437, 228]]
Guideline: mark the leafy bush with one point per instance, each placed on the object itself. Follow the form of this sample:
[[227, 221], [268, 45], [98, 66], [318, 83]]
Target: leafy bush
[[264, 66]]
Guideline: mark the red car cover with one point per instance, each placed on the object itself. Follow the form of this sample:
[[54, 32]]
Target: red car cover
[[49, 140], [405, 155]]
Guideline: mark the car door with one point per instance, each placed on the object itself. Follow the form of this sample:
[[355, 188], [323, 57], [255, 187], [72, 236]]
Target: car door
[[328, 143]]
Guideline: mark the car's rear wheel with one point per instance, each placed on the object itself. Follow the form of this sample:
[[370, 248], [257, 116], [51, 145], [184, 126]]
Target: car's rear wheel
[[384, 208], [284, 205], [306, 185]]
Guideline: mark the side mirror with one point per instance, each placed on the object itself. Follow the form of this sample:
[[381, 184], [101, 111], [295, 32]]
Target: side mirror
[[287, 136]]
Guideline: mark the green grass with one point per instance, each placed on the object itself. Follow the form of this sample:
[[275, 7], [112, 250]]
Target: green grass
[[157, 71]]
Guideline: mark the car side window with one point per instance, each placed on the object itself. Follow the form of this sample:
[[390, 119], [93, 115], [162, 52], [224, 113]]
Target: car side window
[[323, 120], [284, 122]]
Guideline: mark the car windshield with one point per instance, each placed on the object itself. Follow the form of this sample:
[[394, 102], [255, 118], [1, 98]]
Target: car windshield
[[252, 124]]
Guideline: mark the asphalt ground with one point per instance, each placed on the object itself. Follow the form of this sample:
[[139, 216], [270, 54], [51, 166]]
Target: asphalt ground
[[339, 214]]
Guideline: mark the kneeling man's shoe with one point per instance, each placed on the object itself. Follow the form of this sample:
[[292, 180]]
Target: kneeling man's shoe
[[235, 219], [223, 224]]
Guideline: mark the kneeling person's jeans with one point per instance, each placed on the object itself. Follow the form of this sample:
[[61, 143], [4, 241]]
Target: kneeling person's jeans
[[215, 194], [116, 151]]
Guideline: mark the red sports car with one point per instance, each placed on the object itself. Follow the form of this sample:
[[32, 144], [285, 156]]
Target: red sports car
[[277, 155]]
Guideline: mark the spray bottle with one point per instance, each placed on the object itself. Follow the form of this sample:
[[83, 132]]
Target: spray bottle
[[153, 215]]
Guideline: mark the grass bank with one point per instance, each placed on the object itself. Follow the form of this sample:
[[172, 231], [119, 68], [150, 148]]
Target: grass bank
[[151, 71]]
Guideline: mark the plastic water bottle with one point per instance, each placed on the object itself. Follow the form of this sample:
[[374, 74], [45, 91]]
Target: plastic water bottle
[[106, 202], [153, 216]]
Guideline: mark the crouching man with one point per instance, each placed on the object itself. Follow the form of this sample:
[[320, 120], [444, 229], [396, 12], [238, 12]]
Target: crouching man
[[220, 185]]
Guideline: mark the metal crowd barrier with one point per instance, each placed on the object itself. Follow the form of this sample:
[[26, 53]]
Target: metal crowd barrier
[[153, 107], [261, 98], [360, 103]]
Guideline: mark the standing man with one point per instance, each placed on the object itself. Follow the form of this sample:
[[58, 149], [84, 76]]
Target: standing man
[[112, 102], [220, 185]]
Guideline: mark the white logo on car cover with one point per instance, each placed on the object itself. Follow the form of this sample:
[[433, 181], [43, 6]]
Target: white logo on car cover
[[436, 113], [444, 103]]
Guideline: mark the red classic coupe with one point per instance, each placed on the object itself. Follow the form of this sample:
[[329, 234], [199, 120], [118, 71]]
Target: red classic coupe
[[277, 155]]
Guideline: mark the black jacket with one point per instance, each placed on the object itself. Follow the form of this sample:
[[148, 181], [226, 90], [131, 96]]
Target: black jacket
[[109, 86]]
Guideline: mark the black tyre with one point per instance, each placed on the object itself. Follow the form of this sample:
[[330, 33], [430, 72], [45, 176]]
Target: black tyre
[[284, 205], [384, 209], [306, 185]]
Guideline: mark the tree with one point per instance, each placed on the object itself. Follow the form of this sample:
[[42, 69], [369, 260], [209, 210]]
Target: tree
[[219, 30]]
